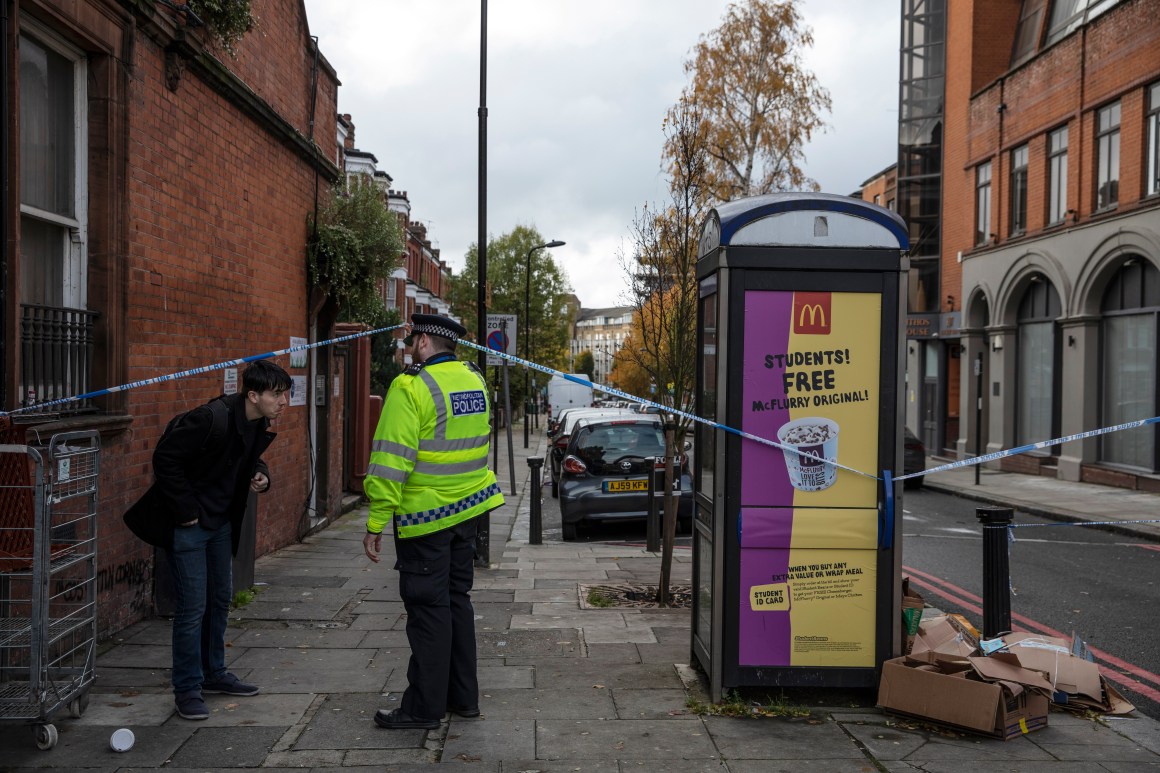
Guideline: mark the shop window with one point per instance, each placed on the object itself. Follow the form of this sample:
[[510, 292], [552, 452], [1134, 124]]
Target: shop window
[[1128, 330], [1037, 417], [1019, 190], [1108, 156], [1057, 176]]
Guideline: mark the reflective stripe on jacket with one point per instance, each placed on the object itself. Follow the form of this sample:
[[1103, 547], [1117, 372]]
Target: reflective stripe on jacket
[[428, 467]]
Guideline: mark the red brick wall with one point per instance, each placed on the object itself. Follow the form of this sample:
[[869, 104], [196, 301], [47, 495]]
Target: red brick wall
[[1114, 58], [216, 207]]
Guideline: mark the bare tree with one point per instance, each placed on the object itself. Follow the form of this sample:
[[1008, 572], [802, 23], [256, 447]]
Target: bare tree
[[663, 292]]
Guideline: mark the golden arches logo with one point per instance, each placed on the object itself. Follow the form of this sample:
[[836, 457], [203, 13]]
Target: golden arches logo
[[812, 313], [817, 316]]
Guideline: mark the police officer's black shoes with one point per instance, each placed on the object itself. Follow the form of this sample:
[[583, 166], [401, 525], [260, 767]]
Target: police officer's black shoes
[[397, 719], [468, 712]]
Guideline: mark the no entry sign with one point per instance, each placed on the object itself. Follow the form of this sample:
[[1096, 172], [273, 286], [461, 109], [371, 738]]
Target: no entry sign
[[501, 336]]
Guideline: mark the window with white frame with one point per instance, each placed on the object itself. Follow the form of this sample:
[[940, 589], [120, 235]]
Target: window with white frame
[[53, 184], [983, 203], [1152, 172], [1057, 175], [1108, 156], [1019, 189]]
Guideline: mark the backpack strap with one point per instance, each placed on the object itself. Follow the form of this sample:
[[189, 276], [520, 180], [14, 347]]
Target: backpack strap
[[220, 424]]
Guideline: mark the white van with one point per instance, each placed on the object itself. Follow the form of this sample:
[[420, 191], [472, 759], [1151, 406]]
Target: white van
[[563, 393]]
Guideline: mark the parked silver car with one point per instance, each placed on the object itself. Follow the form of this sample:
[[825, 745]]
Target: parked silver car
[[604, 474]]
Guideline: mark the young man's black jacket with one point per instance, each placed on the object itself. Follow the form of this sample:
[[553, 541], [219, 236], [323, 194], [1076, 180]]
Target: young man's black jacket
[[194, 467]]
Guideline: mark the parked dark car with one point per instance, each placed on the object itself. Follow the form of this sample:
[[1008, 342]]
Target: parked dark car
[[913, 460], [560, 435], [604, 474]]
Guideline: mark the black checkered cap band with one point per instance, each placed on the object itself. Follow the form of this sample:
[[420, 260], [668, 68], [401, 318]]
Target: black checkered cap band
[[435, 330]]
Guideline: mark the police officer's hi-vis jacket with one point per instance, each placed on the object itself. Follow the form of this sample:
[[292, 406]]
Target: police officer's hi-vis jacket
[[428, 466]]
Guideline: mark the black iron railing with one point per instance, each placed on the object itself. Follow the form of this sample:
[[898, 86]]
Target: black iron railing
[[56, 356]]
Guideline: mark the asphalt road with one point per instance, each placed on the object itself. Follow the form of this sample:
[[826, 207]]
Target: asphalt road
[[1067, 579], [1105, 587]]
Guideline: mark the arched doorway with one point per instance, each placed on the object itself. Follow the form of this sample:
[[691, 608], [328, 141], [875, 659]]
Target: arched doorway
[[1037, 385], [1128, 388]]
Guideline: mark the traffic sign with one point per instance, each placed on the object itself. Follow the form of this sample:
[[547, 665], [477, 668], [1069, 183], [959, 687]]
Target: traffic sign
[[501, 336]]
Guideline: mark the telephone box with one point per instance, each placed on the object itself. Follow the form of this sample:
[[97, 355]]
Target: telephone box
[[796, 566]]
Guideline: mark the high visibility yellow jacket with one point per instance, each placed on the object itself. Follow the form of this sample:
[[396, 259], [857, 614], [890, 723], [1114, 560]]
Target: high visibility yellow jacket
[[428, 466]]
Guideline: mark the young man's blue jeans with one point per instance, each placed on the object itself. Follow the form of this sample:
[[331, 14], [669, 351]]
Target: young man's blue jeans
[[202, 563]]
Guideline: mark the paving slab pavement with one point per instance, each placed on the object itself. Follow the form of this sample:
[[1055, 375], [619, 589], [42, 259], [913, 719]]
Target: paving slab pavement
[[563, 688]]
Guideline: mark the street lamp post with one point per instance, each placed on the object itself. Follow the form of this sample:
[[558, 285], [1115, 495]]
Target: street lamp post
[[527, 336]]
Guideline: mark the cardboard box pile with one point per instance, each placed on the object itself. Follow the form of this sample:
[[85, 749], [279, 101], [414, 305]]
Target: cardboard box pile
[[944, 676], [1077, 682], [993, 696]]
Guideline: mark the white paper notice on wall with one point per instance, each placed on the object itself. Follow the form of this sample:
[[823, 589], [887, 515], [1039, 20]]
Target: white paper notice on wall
[[230, 381], [298, 390], [298, 358], [337, 385]]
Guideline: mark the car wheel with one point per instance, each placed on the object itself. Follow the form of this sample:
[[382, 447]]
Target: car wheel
[[570, 531]]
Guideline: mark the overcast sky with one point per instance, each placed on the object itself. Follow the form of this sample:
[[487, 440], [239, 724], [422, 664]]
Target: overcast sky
[[576, 92]]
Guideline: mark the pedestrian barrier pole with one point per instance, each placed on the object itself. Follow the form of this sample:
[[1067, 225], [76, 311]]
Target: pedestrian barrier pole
[[996, 570], [655, 493], [535, 485]]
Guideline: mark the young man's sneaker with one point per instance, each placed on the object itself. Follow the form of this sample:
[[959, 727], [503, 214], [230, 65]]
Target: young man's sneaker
[[228, 684], [190, 705]]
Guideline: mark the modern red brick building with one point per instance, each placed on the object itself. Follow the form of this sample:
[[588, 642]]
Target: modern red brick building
[[1050, 240], [156, 221]]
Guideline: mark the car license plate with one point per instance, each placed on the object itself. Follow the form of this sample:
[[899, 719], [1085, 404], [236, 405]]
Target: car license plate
[[617, 486]]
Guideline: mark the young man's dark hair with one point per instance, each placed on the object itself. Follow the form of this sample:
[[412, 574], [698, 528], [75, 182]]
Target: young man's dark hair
[[265, 376]]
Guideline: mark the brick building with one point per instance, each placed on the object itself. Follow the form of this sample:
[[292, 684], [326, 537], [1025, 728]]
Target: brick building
[[1050, 240], [421, 283], [157, 222]]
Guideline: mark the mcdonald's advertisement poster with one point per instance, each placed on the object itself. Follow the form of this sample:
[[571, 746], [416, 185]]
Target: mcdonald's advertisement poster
[[808, 529]]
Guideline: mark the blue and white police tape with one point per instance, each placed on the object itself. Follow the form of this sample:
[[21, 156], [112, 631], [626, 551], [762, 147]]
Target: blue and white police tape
[[1081, 523], [665, 408], [1031, 447], [196, 371]]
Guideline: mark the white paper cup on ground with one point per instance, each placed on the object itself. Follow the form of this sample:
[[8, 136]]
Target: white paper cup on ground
[[122, 740], [818, 437]]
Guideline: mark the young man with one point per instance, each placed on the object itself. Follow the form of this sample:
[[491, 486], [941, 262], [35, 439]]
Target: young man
[[204, 469], [428, 476]]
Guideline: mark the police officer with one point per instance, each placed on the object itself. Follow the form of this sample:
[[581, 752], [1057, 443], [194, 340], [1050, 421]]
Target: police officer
[[428, 475]]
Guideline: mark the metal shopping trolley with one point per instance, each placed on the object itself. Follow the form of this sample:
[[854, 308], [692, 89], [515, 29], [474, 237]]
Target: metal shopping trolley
[[48, 579]]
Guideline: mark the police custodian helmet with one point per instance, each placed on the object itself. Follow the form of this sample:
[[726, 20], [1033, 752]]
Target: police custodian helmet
[[434, 325]]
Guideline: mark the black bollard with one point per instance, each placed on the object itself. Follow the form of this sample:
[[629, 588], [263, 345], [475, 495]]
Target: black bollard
[[536, 528], [996, 570], [656, 493]]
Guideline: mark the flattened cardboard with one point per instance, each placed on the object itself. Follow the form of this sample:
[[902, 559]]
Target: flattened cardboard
[[1053, 656], [945, 695], [941, 635]]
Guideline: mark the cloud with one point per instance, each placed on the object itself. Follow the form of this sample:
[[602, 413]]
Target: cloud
[[576, 93]]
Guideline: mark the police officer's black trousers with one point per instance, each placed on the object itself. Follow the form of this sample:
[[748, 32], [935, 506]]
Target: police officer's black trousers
[[435, 577]]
